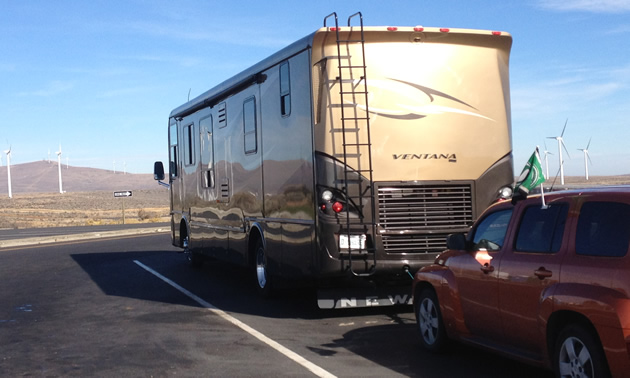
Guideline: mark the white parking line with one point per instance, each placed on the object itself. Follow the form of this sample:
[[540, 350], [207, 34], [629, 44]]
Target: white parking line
[[318, 371]]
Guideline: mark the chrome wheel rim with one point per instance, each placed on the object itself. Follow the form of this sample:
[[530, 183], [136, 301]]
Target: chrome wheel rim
[[428, 321], [187, 251], [575, 359], [261, 271]]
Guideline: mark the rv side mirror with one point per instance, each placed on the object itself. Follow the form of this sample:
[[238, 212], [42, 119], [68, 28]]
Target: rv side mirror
[[456, 242], [158, 171]]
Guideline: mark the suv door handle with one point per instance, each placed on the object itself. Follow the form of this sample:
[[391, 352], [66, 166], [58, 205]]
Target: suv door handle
[[487, 268], [543, 273]]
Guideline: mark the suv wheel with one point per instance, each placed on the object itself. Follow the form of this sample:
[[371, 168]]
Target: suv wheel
[[429, 321], [579, 354]]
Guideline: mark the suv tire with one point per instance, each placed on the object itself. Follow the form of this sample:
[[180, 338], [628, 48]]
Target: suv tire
[[579, 354], [429, 321]]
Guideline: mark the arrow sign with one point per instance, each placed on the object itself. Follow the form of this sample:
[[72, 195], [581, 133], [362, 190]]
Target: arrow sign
[[126, 193]]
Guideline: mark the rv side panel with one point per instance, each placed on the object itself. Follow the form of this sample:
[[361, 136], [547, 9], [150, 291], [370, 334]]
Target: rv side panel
[[239, 171], [287, 143]]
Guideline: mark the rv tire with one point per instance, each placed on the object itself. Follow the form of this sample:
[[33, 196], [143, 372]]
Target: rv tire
[[263, 278], [194, 260]]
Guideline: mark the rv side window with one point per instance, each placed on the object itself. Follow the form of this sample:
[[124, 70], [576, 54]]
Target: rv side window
[[207, 152], [249, 125], [188, 138], [285, 90], [172, 168]]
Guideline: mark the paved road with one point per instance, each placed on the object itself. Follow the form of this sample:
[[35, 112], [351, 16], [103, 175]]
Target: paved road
[[22, 233], [130, 306]]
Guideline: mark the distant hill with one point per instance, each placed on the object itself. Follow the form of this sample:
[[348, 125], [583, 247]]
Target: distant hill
[[43, 177]]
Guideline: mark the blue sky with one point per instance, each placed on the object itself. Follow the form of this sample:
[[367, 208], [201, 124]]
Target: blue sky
[[100, 77]]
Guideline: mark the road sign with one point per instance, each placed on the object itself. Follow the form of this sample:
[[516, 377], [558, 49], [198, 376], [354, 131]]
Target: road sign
[[126, 193]]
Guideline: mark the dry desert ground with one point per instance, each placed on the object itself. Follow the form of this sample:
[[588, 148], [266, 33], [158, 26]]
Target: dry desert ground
[[144, 206], [35, 210]]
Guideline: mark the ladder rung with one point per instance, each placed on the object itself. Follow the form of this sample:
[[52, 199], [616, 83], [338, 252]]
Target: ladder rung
[[353, 182], [353, 92], [348, 130], [355, 119], [350, 40], [344, 105], [356, 144], [353, 66]]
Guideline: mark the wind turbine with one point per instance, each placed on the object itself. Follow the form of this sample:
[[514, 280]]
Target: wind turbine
[[8, 152], [560, 146], [547, 162], [587, 158], [59, 166]]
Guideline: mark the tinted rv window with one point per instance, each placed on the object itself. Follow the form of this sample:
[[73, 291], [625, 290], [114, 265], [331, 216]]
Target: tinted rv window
[[207, 151], [285, 89], [190, 148], [172, 168], [249, 125]]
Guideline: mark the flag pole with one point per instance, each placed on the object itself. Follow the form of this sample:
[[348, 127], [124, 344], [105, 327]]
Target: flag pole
[[542, 189]]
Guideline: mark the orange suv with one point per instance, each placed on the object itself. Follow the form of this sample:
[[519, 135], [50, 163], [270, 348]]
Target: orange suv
[[549, 285]]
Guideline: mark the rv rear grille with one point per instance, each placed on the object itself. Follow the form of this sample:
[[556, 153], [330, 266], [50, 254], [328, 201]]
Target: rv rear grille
[[417, 218]]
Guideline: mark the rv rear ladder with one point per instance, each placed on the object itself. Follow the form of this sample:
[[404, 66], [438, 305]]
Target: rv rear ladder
[[357, 183]]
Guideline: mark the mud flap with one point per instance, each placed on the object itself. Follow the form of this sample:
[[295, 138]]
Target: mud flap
[[338, 298]]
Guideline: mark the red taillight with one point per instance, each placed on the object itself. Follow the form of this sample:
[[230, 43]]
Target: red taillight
[[445, 30], [418, 28], [337, 207], [392, 28], [334, 29], [496, 33], [322, 207]]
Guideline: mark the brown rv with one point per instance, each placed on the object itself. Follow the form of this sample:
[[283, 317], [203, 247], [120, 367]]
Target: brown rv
[[345, 158]]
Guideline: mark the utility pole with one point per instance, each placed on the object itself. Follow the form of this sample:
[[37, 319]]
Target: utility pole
[[8, 152], [59, 168]]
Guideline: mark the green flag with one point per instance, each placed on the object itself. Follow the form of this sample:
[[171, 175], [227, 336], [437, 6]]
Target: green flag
[[532, 174]]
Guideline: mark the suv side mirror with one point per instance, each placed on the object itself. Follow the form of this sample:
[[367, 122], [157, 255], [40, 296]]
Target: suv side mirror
[[456, 242], [158, 171]]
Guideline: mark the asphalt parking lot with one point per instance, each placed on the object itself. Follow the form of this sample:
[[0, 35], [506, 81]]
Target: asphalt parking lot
[[131, 306]]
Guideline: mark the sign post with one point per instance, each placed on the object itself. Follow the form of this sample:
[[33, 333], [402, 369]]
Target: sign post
[[123, 194]]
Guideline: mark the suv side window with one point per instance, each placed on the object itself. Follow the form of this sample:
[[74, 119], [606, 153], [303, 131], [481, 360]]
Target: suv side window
[[490, 232], [603, 229], [541, 229]]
